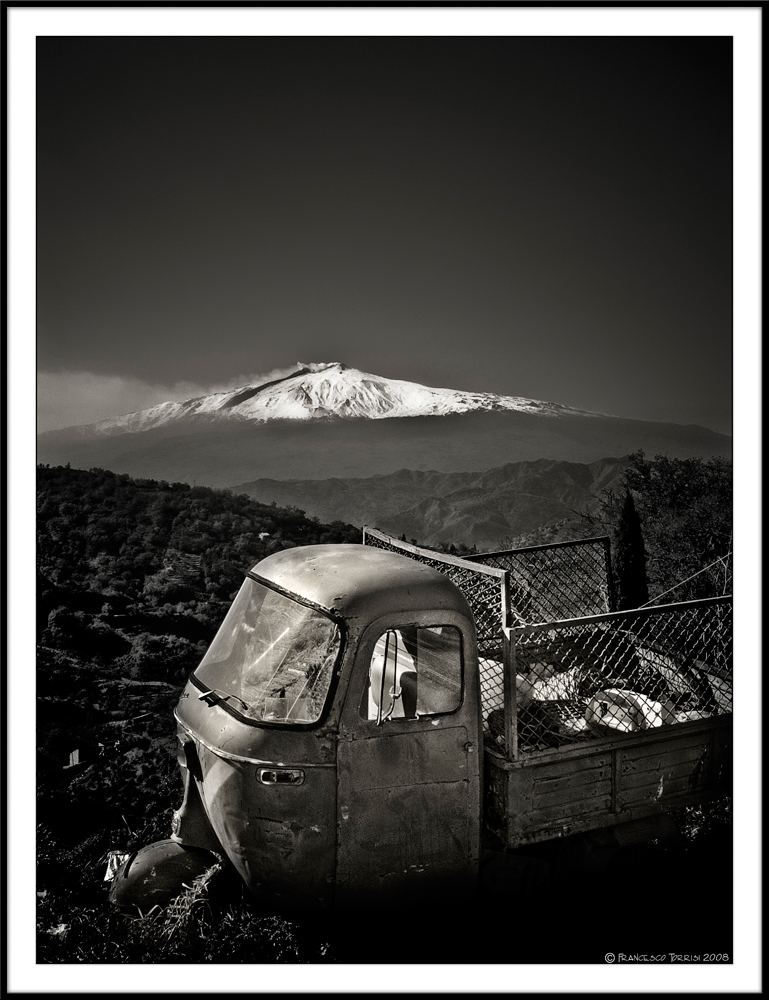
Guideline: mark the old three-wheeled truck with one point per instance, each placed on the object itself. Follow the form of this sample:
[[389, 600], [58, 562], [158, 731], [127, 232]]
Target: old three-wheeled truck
[[368, 717]]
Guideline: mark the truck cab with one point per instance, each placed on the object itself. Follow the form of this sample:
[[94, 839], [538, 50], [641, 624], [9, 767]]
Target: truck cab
[[330, 738]]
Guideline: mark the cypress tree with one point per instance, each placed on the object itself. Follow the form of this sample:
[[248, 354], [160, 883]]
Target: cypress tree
[[630, 558]]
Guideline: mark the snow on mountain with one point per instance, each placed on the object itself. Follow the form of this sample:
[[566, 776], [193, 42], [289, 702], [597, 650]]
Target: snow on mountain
[[327, 390]]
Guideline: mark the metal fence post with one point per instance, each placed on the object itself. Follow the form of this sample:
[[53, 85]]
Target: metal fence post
[[610, 595], [510, 696]]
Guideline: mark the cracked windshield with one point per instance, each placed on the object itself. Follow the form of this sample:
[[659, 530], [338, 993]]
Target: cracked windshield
[[273, 658]]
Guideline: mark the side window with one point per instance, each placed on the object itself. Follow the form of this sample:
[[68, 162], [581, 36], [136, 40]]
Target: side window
[[414, 671]]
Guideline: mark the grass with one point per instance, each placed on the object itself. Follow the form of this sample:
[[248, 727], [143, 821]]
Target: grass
[[216, 921], [208, 922]]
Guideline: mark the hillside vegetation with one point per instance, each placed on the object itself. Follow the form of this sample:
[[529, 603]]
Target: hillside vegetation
[[134, 578]]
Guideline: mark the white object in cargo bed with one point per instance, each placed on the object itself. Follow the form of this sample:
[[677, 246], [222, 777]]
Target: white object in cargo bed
[[617, 711]]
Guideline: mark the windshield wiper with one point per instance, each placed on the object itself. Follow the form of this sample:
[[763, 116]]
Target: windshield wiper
[[221, 696]]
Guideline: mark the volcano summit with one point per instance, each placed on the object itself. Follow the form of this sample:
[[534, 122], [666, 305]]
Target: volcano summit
[[318, 391], [329, 420]]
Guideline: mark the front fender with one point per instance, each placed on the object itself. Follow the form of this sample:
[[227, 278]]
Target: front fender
[[157, 874], [190, 825]]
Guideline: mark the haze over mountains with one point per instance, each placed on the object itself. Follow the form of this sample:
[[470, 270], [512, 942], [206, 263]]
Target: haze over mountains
[[329, 420], [481, 509]]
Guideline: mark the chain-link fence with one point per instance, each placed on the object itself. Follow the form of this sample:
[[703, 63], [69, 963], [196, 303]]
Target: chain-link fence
[[618, 673], [716, 578], [581, 671], [560, 580]]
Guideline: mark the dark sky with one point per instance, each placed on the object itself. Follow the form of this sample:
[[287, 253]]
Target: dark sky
[[545, 217]]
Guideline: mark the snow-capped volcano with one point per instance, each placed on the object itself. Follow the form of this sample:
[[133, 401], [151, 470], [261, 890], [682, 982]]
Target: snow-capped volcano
[[326, 390], [328, 420]]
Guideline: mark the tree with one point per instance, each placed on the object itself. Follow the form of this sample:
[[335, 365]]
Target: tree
[[630, 558], [686, 509]]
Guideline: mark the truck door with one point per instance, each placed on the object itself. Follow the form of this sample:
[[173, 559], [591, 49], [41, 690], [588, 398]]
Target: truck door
[[408, 802]]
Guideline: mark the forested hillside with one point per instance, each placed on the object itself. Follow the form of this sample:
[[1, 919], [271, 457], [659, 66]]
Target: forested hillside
[[134, 577], [162, 543]]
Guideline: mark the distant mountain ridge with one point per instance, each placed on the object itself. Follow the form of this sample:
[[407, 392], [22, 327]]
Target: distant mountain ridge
[[331, 420], [480, 509]]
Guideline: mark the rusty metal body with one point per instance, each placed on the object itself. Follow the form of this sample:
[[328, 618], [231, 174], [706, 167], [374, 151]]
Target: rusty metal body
[[345, 805]]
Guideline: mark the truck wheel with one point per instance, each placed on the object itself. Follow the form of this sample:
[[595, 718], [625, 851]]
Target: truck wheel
[[156, 874]]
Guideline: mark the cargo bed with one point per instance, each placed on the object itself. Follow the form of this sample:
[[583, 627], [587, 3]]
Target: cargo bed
[[572, 789], [591, 717]]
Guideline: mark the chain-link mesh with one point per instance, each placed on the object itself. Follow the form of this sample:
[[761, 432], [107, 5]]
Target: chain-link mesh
[[552, 582], [582, 672], [485, 589], [717, 578], [620, 673]]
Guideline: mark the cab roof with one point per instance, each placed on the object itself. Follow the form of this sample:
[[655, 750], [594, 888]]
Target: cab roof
[[360, 581]]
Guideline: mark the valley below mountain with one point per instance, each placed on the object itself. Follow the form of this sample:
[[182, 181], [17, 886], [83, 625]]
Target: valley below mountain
[[484, 509], [211, 453]]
